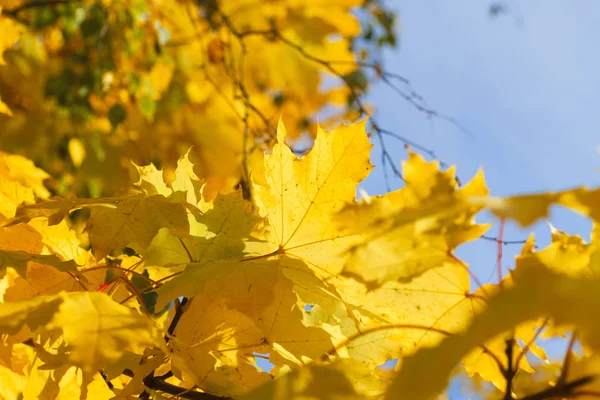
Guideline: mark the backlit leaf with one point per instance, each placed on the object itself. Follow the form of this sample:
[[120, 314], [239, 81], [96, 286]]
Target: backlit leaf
[[416, 228]]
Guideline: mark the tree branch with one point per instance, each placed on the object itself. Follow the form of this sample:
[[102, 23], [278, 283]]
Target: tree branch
[[160, 385], [510, 371], [566, 390]]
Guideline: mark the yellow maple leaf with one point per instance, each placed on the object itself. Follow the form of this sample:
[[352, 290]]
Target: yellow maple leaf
[[488, 360], [220, 233], [407, 232], [537, 292], [12, 383], [527, 209], [115, 223], [20, 182], [301, 243], [152, 181], [19, 260], [303, 193], [241, 308], [397, 318], [36, 312], [96, 329]]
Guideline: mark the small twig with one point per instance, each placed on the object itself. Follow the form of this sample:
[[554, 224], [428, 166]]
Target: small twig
[[157, 284], [155, 383], [179, 309], [531, 342], [187, 251], [414, 99], [126, 270], [504, 242], [564, 372], [499, 253], [136, 293]]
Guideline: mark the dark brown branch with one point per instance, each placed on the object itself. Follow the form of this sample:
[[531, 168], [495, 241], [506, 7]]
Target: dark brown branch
[[566, 390], [564, 372], [157, 383], [179, 310], [160, 385], [510, 371], [150, 380]]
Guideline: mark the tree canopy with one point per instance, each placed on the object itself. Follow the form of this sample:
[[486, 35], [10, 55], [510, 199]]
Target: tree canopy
[[178, 206]]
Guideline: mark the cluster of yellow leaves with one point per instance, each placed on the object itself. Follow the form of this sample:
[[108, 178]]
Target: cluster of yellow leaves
[[178, 280], [101, 83]]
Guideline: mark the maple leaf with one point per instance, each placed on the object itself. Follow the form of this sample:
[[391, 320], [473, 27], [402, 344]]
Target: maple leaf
[[36, 312], [297, 213], [301, 206], [241, 308], [24, 171], [186, 182], [397, 318], [216, 234], [301, 194], [406, 232], [527, 209], [538, 291], [62, 382], [20, 259], [115, 223], [96, 329], [20, 182], [486, 360]]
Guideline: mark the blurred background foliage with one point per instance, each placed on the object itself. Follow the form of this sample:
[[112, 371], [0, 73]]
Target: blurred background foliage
[[88, 87]]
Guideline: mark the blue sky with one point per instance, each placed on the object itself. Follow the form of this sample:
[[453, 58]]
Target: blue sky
[[528, 92], [526, 86]]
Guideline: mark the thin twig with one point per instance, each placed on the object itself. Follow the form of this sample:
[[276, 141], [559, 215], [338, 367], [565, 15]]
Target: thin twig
[[504, 242], [531, 342], [499, 252], [564, 372]]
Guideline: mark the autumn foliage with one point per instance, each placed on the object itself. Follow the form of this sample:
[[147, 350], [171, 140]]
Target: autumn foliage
[[161, 236]]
